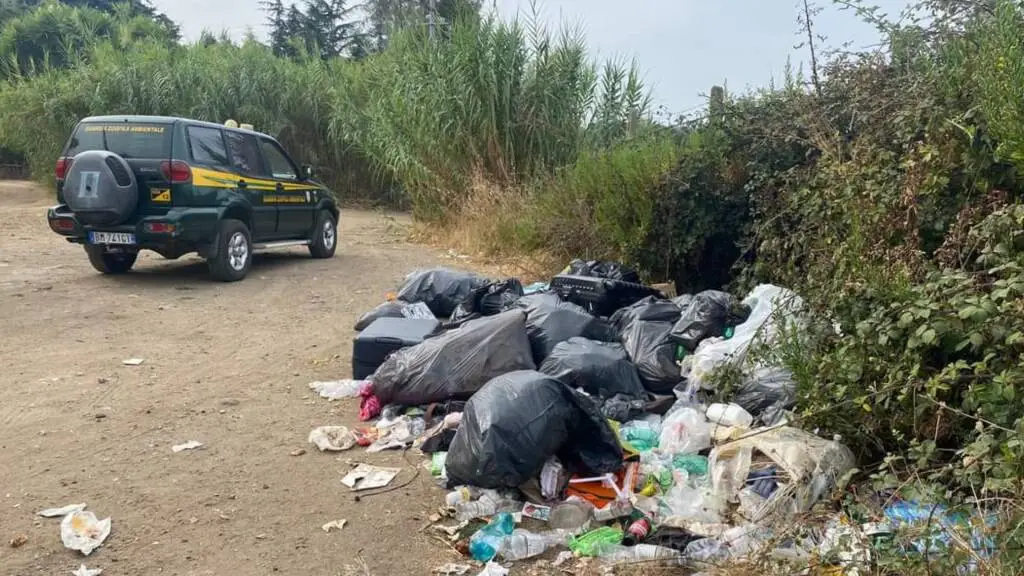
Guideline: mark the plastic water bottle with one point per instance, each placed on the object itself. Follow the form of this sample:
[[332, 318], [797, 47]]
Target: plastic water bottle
[[638, 553], [729, 415], [485, 544], [523, 544], [461, 495], [612, 511], [489, 504], [705, 550]]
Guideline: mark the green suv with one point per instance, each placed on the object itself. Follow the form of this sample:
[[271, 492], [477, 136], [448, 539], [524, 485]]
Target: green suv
[[175, 186]]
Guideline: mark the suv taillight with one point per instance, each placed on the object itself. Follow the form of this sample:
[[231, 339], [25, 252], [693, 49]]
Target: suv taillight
[[63, 167], [176, 171]]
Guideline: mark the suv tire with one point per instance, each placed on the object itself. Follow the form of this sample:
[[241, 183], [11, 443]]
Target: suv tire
[[233, 258], [324, 242], [110, 262]]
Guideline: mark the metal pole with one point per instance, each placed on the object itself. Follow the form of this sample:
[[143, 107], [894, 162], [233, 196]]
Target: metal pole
[[430, 17]]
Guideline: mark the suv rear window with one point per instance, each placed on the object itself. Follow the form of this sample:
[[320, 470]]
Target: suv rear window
[[127, 140]]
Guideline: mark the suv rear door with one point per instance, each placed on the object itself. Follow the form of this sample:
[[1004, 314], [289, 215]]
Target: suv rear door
[[293, 198], [144, 145], [247, 162]]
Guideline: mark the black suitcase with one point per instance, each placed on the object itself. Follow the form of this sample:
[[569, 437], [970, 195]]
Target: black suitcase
[[600, 296], [384, 337]]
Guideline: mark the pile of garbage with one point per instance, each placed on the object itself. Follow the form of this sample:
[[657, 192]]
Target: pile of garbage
[[579, 407]]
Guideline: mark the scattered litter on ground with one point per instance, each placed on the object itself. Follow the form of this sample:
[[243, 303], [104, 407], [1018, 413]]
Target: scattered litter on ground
[[297, 452], [18, 541], [493, 569], [133, 361], [61, 512], [563, 557], [338, 389], [190, 445], [453, 570], [81, 531], [331, 438], [367, 477], [83, 571], [587, 406], [334, 525]]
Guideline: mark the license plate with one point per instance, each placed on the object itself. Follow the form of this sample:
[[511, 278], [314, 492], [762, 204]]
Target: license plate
[[111, 238]]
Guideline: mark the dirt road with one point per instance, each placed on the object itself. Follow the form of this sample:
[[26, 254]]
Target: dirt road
[[225, 364]]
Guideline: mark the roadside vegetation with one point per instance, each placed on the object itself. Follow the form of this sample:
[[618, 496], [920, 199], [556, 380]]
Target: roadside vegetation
[[884, 187]]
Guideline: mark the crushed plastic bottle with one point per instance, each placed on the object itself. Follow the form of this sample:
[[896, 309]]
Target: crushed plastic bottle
[[489, 504], [523, 544], [461, 495], [706, 550], [638, 553], [485, 544], [572, 515], [616, 509]]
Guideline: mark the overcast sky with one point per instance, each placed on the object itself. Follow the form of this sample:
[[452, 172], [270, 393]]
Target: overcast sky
[[682, 46]]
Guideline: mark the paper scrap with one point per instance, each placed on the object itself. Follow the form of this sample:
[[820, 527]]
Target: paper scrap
[[337, 389], [366, 477], [334, 525], [61, 512], [83, 571], [453, 570], [83, 532], [493, 569], [563, 557], [190, 445], [133, 361], [537, 512], [332, 438]]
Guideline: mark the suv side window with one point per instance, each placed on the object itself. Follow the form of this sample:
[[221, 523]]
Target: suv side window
[[280, 166], [207, 146], [245, 153]]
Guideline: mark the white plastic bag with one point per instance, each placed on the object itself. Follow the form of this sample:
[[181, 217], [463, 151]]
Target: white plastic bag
[[767, 304], [812, 466], [80, 530], [685, 431]]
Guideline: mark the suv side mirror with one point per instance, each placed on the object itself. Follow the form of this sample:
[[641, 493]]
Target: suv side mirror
[[307, 172]]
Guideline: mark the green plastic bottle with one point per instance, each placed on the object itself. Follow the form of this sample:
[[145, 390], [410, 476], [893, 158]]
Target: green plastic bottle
[[596, 541]]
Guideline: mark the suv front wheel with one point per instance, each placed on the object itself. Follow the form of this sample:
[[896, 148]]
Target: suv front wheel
[[325, 236], [110, 262], [234, 252]]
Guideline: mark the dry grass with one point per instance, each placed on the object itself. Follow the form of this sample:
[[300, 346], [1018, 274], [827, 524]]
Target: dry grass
[[483, 232]]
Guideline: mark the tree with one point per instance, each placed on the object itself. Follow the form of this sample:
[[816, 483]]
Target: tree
[[10, 9], [324, 28], [385, 16]]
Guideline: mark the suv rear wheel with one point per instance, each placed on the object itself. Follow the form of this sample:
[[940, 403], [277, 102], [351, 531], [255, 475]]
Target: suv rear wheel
[[325, 236], [110, 262], [234, 252]]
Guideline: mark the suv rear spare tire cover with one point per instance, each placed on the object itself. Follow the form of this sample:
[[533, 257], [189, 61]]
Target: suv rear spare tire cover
[[101, 189]]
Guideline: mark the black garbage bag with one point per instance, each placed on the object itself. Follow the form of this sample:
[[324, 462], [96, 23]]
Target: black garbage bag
[[600, 368], [767, 393], [599, 269], [456, 364], [395, 309], [519, 420], [654, 354], [488, 300], [623, 408], [651, 308], [683, 301], [549, 321], [708, 315], [442, 289]]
